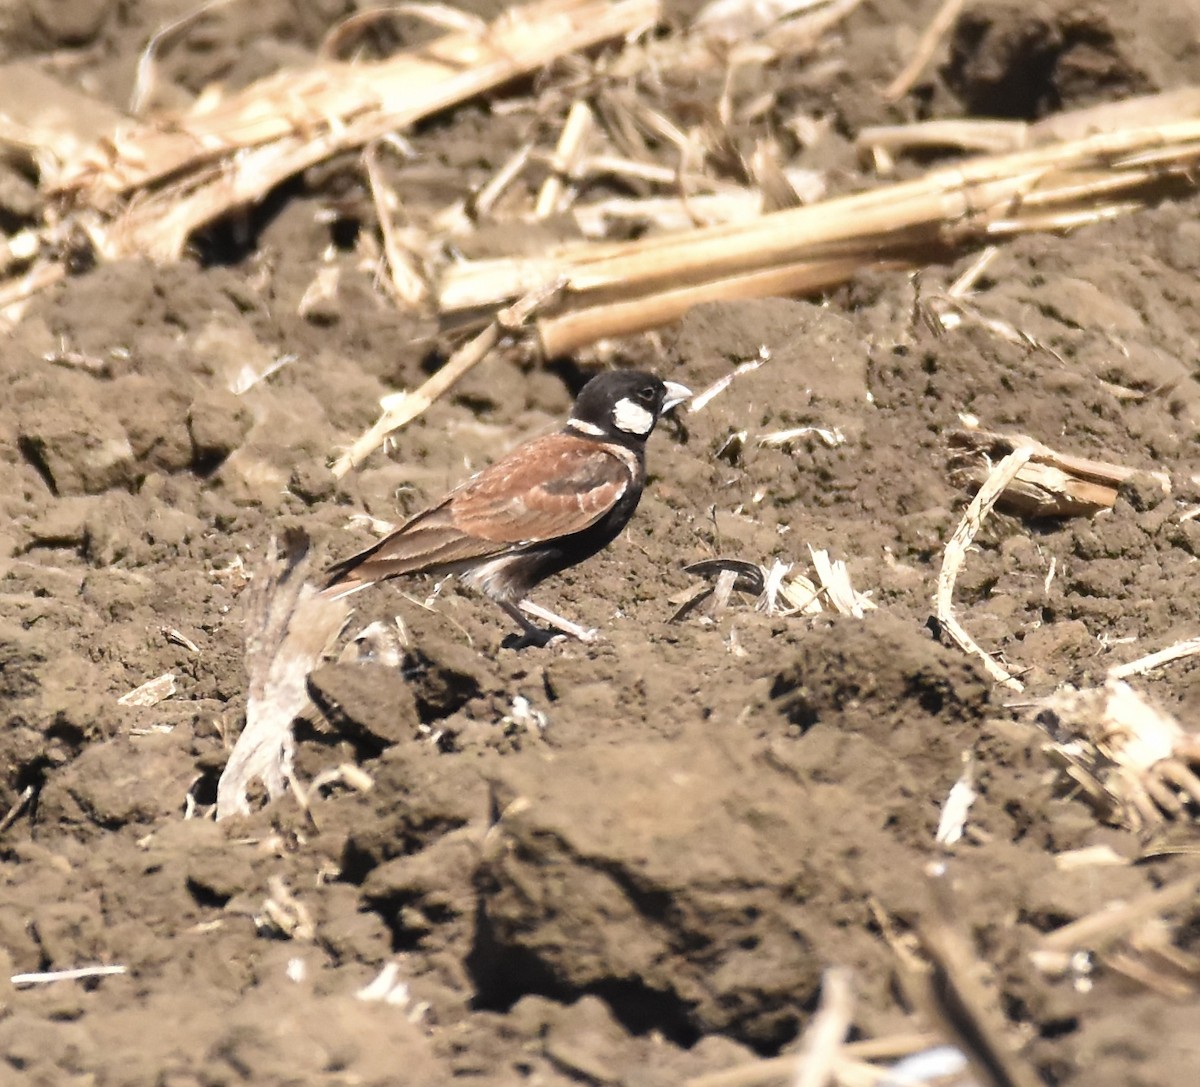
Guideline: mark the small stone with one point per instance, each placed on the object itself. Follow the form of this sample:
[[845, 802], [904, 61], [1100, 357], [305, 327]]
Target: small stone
[[366, 702], [218, 422]]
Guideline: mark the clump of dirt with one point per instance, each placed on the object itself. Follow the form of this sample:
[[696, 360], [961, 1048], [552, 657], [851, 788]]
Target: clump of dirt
[[620, 863]]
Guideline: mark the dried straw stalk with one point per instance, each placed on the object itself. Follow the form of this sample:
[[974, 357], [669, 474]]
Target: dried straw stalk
[[156, 182], [617, 289], [956, 552], [1052, 484]]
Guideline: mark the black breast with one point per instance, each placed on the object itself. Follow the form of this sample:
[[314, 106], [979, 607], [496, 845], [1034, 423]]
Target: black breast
[[544, 560]]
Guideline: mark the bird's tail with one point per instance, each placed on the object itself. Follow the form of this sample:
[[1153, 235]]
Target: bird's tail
[[425, 545]]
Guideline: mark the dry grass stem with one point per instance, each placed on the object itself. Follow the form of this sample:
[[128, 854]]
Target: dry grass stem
[[949, 990], [826, 1032], [144, 79], [555, 194], [288, 628], [78, 973], [927, 46], [996, 137], [703, 398], [560, 335], [956, 550], [1178, 651], [778, 1069], [461, 216], [598, 219], [400, 409], [965, 283], [404, 271], [1114, 922], [18, 809]]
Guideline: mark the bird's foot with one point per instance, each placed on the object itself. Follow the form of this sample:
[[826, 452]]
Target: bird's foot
[[532, 635]]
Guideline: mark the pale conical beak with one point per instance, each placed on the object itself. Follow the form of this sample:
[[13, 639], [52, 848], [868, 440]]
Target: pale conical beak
[[676, 395]]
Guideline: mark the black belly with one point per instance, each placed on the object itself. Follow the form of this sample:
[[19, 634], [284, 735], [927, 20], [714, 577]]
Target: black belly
[[541, 561]]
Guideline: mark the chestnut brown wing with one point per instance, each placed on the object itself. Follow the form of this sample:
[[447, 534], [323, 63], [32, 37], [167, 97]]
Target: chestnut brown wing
[[549, 487], [546, 488]]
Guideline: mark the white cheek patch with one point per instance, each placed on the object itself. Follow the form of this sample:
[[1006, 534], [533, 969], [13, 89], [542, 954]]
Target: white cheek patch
[[632, 418]]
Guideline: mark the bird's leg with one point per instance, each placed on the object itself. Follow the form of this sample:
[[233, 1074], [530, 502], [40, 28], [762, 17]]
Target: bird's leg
[[531, 633], [573, 630], [535, 635]]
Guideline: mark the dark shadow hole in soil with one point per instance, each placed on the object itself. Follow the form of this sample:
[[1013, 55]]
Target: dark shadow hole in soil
[[410, 919], [1058, 1028], [204, 789], [205, 464], [1022, 89], [356, 863], [31, 450], [365, 746], [232, 239], [503, 975], [205, 896]]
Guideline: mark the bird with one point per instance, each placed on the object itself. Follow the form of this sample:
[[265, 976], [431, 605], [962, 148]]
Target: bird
[[548, 504]]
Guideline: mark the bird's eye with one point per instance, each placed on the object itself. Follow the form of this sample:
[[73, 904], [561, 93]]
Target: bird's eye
[[646, 396]]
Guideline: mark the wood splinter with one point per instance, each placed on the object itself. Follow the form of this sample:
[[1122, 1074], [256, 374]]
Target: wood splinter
[[1050, 484]]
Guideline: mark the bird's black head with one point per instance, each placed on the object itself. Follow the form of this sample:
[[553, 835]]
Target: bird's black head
[[624, 405]]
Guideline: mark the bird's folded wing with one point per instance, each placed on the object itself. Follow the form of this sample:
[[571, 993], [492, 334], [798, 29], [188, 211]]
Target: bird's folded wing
[[550, 487], [560, 485]]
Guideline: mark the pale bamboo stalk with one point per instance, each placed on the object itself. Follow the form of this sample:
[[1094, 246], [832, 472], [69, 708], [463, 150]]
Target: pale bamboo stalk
[[1001, 136], [559, 335], [949, 206]]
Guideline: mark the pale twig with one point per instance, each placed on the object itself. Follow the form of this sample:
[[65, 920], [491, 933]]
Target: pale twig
[[775, 1069], [404, 275], [78, 973], [926, 47], [702, 398], [459, 216], [1138, 667], [965, 283], [400, 409], [1097, 930], [554, 194], [143, 82], [820, 1047], [14, 813], [956, 550], [951, 993], [439, 15]]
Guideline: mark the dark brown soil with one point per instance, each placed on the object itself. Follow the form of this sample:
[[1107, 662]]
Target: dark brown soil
[[638, 873]]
